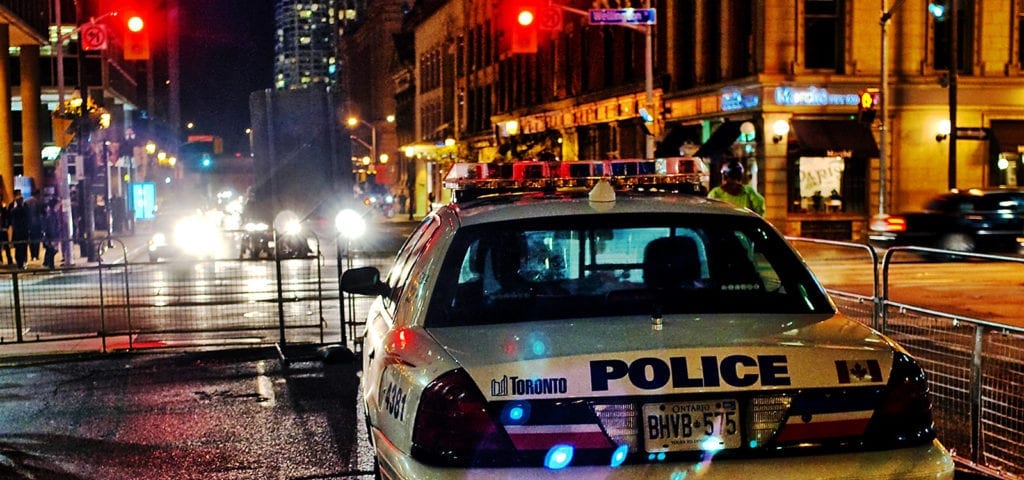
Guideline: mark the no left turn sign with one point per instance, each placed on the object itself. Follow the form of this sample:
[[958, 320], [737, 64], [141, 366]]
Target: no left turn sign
[[93, 36]]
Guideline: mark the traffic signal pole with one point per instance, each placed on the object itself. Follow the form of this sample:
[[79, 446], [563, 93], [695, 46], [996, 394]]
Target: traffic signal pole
[[883, 123], [954, 71], [87, 200], [648, 31], [649, 87]]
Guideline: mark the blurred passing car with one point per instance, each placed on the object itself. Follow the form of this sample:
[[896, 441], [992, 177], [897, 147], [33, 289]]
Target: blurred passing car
[[974, 220], [194, 235], [292, 240], [620, 332]]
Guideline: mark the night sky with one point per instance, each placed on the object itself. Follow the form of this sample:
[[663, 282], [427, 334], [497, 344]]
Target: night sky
[[227, 50]]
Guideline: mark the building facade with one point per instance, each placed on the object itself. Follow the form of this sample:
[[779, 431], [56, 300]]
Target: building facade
[[306, 44], [369, 59], [778, 84]]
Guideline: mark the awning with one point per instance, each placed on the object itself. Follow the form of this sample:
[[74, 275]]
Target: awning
[[844, 138], [721, 140], [1008, 136], [675, 138]]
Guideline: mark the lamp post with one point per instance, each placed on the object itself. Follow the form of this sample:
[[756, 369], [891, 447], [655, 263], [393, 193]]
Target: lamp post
[[354, 122], [954, 70], [883, 122]]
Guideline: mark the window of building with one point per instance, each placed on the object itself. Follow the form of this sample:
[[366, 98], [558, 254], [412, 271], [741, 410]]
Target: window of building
[[684, 46], [712, 43], [823, 34], [941, 28], [741, 38], [1020, 37], [828, 184]]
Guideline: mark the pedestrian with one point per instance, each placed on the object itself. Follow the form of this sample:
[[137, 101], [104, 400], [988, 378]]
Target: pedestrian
[[20, 225], [735, 191], [5, 238], [51, 232], [35, 206], [402, 198]]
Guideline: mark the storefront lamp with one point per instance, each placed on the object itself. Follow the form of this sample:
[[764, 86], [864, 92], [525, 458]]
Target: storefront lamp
[[780, 129], [942, 130], [410, 152], [748, 131], [449, 142], [384, 158]]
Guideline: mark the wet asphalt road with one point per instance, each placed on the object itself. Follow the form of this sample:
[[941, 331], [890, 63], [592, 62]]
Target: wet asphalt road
[[227, 414]]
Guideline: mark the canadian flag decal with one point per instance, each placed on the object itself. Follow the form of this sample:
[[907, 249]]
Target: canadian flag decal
[[858, 371]]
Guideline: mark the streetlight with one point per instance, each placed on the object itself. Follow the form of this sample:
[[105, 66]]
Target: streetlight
[[353, 122], [883, 122]]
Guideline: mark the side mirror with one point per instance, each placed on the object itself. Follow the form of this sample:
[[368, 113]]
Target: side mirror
[[363, 281]]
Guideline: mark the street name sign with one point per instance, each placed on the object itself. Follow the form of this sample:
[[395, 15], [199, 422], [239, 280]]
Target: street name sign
[[622, 16], [971, 133]]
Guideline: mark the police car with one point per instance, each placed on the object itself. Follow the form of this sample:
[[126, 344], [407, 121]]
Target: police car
[[610, 330]]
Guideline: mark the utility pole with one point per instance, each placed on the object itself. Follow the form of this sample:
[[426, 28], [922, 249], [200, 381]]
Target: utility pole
[[954, 71], [883, 123], [88, 200]]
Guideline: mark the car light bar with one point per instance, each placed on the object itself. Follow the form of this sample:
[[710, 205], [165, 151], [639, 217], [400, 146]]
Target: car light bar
[[689, 174]]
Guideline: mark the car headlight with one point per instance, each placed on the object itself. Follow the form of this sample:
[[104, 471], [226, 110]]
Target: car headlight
[[292, 227], [157, 240], [198, 236]]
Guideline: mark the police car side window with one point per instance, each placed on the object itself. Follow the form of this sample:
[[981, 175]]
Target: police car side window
[[398, 277]]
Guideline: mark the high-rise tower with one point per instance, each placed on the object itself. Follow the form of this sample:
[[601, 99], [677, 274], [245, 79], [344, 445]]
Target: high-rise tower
[[305, 49]]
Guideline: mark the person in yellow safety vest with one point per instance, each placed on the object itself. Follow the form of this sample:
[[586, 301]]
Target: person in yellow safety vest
[[735, 191]]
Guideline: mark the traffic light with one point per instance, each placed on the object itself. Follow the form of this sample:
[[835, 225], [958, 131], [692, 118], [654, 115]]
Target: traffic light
[[136, 39], [938, 9], [521, 25], [867, 105]]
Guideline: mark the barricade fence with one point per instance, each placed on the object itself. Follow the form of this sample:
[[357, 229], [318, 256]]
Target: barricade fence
[[181, 303], [974, 366]]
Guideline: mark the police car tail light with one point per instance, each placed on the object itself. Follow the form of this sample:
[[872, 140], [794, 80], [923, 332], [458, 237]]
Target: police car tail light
[[453, 426], [619, 422], [766, 414], [904, 414]]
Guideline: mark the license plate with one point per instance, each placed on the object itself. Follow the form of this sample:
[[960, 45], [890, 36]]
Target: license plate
[[686, 426]]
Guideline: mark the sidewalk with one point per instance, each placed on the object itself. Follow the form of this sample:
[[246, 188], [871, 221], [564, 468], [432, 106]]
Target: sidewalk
[[120, 246]]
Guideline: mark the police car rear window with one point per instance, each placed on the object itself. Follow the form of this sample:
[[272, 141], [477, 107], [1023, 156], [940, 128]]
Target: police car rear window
[[619, 265]]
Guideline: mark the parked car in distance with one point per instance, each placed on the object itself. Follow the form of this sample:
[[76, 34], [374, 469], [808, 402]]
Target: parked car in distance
[[962, 220]]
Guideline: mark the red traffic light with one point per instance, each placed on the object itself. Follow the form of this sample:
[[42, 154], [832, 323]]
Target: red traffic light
[[136, 39], [525, 17], [135, 24], [520, 25]]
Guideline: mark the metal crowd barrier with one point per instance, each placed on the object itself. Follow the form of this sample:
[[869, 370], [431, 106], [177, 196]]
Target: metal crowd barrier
[[974, 371], [973, 365]]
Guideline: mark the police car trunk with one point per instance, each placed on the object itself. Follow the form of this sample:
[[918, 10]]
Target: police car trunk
[[643, 333]]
